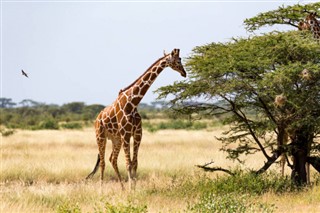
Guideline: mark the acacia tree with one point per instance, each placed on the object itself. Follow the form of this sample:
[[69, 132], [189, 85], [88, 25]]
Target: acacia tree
[[267, 87]]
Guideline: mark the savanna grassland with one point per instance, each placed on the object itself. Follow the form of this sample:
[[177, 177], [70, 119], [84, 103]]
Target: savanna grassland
[[45, 170]]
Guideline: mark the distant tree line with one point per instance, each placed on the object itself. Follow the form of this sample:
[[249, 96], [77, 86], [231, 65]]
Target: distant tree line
[[30, 114]]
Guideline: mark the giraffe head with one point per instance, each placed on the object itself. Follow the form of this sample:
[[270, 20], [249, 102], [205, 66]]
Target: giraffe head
[[174, 62], [311, 19], [303, 25]]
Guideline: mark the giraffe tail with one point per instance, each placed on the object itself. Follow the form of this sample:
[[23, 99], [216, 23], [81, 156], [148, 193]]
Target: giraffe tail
[[96, 167]]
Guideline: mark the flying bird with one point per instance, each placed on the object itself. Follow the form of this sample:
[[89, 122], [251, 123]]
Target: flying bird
[[23, 73]]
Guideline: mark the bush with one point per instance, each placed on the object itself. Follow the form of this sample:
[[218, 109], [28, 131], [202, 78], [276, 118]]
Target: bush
[[252, 183], [229, 203], [66, 207], [48, 124], [121, 208], [6, 132], [175, 124], [72, 125]]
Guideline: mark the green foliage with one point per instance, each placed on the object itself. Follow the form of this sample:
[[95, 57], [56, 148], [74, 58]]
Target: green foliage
[[121, 208], [6, 132], [229, 203], [252, 184], [235, 193], [48, 124], [175, 124], [241, 80], [67, 207], [247, 75], [290, 15], [33, 115], [71, 125]]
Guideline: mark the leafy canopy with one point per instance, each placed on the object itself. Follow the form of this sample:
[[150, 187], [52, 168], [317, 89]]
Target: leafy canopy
[[290, 15], [242, 78]]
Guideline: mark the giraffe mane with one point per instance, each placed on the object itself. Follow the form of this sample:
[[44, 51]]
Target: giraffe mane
[[126, 88]]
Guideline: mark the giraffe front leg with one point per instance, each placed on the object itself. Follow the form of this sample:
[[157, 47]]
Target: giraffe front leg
[[136, 144], [126, 148], [116, 146]]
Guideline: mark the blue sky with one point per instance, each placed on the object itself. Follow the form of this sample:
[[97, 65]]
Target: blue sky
[[88, 51]]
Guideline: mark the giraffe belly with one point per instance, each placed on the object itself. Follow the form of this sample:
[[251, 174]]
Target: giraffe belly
[[112, 136]]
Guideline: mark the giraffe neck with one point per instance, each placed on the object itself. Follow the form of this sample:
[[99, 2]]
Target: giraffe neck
[[136, 91], [315, 29]]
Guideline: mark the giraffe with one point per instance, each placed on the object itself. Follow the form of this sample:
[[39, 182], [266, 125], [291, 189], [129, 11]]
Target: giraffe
[[311, 23], [120, 121], [303, 26]]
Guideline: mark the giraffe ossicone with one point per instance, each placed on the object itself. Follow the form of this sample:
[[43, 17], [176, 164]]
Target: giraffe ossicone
[[120, 121]]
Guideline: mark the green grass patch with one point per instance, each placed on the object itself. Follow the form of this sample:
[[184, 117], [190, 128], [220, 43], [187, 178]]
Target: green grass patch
[[230, 203], [175, 124], [71, 125], [248, 182]]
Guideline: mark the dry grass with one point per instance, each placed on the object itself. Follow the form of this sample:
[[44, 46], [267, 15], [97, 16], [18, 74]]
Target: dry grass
[[43, 169]]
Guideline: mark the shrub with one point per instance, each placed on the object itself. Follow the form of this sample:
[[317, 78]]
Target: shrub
[[72, 125], [48, 124], [6, 132], [121, 208], [175, 124], [66, 207], [251, 183], [229, 203]]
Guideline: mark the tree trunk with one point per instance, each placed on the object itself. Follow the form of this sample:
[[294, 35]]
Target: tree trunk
[[299, 173], [300, 152]]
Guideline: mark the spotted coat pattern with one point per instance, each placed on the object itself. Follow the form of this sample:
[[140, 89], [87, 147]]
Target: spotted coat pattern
[[120, 121]]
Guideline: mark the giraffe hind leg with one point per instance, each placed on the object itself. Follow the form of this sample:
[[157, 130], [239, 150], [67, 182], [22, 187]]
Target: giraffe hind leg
[[95, 168]]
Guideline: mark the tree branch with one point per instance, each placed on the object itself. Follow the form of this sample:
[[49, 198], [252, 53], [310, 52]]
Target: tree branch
[[270, 161], [214, 169]]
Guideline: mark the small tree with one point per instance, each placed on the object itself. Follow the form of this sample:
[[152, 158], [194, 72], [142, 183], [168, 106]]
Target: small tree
[[6, 103], [269, 86]]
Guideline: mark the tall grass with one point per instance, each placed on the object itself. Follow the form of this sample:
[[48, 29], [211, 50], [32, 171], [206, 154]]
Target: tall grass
[[44, 171]]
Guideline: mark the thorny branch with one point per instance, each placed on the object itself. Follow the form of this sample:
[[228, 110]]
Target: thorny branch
[[206, 168]]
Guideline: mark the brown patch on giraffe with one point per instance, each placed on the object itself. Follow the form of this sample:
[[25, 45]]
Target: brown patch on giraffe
[[120, 115], [113, 119], [123, 121], [146, 77], [128, 108], [104, 116], [163, 64], [122, 131], [135, 101], [123, 100], [144, 89], [128, 127]]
